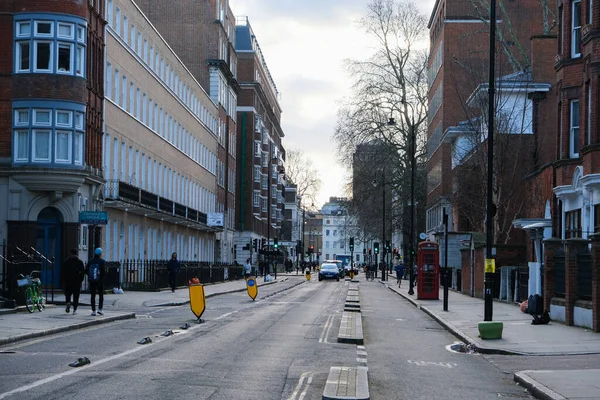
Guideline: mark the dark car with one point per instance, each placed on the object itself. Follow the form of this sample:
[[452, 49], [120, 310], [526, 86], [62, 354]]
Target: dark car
[[329, 271]]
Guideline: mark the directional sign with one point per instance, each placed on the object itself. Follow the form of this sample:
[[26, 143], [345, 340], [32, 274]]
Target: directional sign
[[197, 300], [93, 217], [252, 287]]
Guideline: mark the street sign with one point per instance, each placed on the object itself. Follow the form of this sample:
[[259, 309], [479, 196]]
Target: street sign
[[252, 287], [93, 217], [490, 265], [214, 219]]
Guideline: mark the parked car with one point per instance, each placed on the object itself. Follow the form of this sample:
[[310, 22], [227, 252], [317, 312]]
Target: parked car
[[329, 271]]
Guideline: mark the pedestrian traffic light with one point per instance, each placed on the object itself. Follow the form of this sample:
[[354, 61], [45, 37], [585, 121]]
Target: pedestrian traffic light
[[351, 244], [376, 247], [275, 243]]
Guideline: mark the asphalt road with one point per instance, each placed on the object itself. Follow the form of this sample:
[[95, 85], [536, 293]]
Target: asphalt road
[[280, 346]]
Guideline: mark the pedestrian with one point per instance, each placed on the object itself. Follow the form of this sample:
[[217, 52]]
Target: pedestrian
[[248, 269], [95, 272], [72, 275], [173, 268], [399, 273]]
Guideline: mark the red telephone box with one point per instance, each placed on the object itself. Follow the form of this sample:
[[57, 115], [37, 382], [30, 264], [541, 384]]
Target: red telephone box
[[428, 270]]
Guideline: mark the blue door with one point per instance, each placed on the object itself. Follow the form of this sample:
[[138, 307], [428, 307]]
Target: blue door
[[48, 244]]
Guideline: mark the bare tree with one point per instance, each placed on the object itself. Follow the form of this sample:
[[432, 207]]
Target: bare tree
[[300, 171], [392, 83]]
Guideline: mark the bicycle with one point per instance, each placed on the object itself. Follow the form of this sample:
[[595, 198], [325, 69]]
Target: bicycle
[[33, 291]]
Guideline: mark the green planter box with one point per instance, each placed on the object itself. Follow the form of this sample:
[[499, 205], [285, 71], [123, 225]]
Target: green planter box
[[490, 330]]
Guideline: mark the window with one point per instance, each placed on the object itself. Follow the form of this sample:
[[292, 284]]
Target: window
[[327, 232], [588, 127], [576, 29], [590, 11], [597, 218], [256, 173], [50, 47], [573, 224], [574, 129], [48, 135]]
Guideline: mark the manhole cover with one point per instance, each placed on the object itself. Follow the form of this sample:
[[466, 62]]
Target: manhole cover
[[461, 348]]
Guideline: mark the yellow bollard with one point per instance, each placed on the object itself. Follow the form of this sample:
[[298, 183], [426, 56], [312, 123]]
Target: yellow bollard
[[308, 274], [351, 274], [251, 287], [197, 301]]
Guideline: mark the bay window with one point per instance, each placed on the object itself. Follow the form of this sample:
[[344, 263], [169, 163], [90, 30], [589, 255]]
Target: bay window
[[48, 132], [55, 45]]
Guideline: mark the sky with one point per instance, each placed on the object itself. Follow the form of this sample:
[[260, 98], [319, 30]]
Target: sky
[[305, 43]]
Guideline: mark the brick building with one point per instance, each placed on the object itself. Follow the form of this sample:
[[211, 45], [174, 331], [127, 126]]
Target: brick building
[[259, 209], [160, 146], [202, 34], [457, 132], [51, 118]]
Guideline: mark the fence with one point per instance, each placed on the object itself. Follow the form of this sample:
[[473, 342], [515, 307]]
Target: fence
[[584, 276], [153, 274], [559, 275]]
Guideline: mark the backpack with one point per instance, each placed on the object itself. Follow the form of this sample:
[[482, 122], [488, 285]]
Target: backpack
[[94, 272], [535, 305]]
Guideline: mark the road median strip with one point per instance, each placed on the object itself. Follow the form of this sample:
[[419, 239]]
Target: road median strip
[[346, 383]]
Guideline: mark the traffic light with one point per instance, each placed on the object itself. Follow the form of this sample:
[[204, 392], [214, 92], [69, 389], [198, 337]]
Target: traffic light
[[370, 251], [364, 251], [275, 243], [311, 249], [351, 244], [387, 245], [262, 243], [255, 244], [376, 247]]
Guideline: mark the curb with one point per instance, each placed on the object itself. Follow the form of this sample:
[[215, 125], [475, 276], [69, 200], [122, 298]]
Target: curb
[[454, 331], [67, 328], [538, 390]]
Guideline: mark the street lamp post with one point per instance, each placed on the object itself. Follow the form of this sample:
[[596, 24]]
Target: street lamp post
[[411, 242], [489, 262], [269, 203]]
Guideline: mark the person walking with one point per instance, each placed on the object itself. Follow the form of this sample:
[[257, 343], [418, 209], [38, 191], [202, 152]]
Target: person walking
[[72, 275], [248, 269], [173, 268], [399, 273], [95, 273]]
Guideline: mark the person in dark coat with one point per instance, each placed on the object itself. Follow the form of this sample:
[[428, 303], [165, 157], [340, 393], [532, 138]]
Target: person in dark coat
[[95, 272], [73, 271], [173, 268]]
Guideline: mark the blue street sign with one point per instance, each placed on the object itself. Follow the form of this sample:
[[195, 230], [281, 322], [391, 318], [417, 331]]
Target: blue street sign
[[93, 217]]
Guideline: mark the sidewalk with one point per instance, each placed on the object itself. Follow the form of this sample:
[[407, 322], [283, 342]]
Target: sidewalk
[[518, 337], [18, 326]]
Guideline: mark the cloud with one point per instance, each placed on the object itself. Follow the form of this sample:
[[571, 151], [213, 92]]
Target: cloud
[[305, 43]]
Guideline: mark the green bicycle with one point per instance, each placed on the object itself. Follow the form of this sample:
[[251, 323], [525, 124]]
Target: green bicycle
[[33, 291]]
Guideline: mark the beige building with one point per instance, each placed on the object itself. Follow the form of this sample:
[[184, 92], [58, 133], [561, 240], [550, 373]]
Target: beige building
[[160, 147]]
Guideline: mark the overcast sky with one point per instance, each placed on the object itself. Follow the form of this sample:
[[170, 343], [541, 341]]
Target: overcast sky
[[305, 43]]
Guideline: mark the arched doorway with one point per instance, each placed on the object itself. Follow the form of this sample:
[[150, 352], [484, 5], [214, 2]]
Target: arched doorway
[[48, 244]]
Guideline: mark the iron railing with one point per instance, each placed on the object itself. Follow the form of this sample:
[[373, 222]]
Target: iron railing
[[559, 275], [584, 276]]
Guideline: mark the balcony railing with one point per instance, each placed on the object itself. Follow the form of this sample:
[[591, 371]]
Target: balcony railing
[[122, 191]]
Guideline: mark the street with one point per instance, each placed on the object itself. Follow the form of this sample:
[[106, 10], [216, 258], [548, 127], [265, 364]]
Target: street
[[280, 346]]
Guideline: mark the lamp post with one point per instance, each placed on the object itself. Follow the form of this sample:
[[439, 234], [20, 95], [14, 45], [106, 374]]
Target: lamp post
[[489, 262], [411, 241], [269, 202]]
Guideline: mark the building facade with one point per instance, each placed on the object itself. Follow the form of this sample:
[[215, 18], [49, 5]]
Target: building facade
[[51, 99], [160, 146], [204, 40], [261, 156]]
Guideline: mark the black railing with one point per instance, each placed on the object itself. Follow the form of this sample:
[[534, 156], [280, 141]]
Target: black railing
[[584, 276], [153, 274], [559, 275], [116, 189]]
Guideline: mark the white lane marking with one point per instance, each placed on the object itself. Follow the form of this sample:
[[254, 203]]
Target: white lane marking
[[361, 360], [300, 384], [225, 315], [433, 364], [326, 328], [361, 347], [303, 394], [361, 352], [71, 372]]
